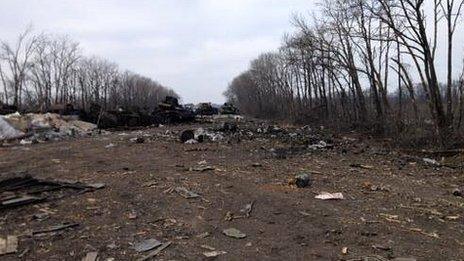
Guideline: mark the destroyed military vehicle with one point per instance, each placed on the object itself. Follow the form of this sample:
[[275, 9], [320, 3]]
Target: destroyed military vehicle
[[170, 111], [122, 117], [206, 109], [229, 109]]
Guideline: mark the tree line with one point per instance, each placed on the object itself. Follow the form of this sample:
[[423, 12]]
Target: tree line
[[39, 71], [368, 64]]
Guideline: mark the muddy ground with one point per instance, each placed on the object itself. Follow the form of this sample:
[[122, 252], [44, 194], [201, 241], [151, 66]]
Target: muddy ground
[[393, 206]]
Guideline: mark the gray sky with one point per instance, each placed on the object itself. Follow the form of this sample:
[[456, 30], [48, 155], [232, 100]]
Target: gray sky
[[195, 47]]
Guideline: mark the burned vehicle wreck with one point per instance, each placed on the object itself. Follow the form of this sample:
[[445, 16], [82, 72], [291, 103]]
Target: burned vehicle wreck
[[170, 111]]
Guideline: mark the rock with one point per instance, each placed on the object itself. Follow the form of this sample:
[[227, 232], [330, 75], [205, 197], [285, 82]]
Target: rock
[[405, 259], [303, 180], [234, 233]]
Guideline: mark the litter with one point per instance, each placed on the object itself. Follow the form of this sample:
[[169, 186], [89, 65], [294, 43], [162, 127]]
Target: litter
[[234, 233], [330, 196]]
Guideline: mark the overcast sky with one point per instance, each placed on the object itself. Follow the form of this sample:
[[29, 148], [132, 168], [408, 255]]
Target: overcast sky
[[195, 47]]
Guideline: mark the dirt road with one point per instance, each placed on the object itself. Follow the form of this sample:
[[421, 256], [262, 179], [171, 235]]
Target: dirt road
[[392, 207]]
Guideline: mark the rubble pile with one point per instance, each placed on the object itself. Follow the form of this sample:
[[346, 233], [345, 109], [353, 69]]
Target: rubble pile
[[33, 128]]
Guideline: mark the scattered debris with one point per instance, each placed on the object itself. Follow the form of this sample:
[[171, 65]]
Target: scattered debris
[[91, 256], [146, 245], [22, 189], [330, 196], [214, 253], [186, 193], [8, 245], [55, 228], [155, 252], [234, 233]]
